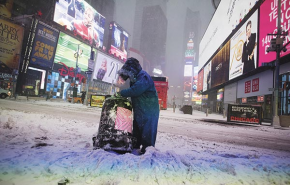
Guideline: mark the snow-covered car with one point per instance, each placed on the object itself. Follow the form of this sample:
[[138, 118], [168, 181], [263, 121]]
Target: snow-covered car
[[4, 93]]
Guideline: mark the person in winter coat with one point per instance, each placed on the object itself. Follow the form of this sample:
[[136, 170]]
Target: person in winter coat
[[144, 102]]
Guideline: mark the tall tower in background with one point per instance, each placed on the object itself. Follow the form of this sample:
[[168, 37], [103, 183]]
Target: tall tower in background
[[150, 31], [191, 52], [153, 36]]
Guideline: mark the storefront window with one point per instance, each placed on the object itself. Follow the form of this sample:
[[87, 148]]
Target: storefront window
[[265, 101], [285, 94]]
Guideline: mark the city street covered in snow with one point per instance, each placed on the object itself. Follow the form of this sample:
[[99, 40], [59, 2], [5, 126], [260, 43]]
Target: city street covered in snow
[[44, 142]]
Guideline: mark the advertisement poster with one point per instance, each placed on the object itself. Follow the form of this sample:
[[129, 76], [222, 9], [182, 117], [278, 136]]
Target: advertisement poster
[[220, 66], [6, 8], [11, 36], [227, 16], [188, 70], [207, 77], [268, 24], [66, 52], [106, 68], [244, 114], [79, 17], [44, 46], [200, 81], [119, 41], [243, 54], [97, 100]]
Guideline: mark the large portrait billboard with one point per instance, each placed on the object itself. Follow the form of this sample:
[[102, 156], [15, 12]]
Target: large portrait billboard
[[268, 25], [220, 66], [44, 46], [106, 68], [11, 37], [207, 77], [66, 52], [79, 17], [243, 54], [227, 16]]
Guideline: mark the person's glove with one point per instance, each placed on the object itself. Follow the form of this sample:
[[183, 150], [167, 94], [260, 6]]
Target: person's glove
[[117, 94]]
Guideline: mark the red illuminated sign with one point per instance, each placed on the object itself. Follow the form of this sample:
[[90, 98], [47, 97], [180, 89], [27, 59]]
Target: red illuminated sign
[[255, 85], [260, 98], [248, 86], [69, 71], [244, 100]]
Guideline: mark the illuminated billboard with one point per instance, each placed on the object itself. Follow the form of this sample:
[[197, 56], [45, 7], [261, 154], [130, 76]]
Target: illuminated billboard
[[106, 68], [44, 46], [268, 20], [66, 52], [220, 66], [207, 77], [200, 81], [11, 36], [118, 44], [243, 54], [6, 8], [227, 16], [79, 17]]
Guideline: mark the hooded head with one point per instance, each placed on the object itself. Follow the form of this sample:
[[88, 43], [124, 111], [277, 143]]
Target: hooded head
[[130, 69]]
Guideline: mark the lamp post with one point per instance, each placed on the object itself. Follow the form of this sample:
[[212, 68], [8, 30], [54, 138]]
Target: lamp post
[[276, 121], [76, 55]]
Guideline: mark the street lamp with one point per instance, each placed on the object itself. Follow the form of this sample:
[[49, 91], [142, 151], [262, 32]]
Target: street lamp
[[76, 55]]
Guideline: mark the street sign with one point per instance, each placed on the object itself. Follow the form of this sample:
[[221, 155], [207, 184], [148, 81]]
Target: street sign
[[88, 72], [273, 89]]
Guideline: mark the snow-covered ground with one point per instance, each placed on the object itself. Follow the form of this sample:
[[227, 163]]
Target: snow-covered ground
[[42, 149]]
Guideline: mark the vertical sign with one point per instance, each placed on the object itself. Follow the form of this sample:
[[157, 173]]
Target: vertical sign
[[248, 86], [200, 81], [44, 46], [255, 85]]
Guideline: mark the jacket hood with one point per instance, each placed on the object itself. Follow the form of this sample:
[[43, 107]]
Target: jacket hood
[[130, 69]]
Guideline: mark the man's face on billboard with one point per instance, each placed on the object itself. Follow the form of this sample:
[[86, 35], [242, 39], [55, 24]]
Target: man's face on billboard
[[88, 17], [248, 31]]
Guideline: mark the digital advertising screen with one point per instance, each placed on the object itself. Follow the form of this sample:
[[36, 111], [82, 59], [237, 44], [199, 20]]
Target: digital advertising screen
[[119, 41], [227, 16], [220, 66], [200, 81], [79, 17], [106, 68], [10, 46], [44, 46], [66, 52], [268, 25], [207, 77], [243, 53]]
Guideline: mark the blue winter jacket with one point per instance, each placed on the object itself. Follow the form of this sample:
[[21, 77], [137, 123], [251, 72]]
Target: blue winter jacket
[[145, 107]]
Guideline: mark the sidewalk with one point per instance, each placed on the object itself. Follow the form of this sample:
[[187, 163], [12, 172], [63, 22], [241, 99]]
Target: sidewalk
[[213, 117]]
